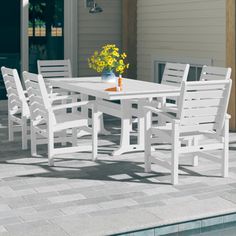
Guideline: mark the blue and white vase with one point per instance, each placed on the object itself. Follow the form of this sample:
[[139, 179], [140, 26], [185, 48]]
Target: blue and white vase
[[108, 76]]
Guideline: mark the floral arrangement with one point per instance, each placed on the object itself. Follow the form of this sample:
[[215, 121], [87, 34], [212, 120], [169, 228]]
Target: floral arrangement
[[108, 59]]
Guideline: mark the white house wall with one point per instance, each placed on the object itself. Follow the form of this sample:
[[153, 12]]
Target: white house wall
[[180, 29], [95, 30]]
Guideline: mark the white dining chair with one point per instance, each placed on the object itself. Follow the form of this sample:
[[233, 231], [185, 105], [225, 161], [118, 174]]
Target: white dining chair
[[174, 75], [46, 122], [210, 73], [18, 109], [54, 68], [51, 69], [201, 119]]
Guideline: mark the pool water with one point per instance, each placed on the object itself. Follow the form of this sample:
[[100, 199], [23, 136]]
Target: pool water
[[228, 229], [223, 225]]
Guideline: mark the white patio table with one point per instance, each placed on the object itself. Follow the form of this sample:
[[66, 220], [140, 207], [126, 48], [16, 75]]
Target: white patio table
[[132, 89]]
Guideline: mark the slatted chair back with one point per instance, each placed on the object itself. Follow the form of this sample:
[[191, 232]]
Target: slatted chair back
[[203, 105], [175, 73], [40, 105], [215, 73], [17, 102], [54, 68]]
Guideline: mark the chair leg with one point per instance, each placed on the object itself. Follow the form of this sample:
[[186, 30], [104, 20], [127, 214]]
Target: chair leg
[[147, 153], [225, 160], [141, 123], [95, 118], [63, 134], [195, 160], [10, 130], [24, 133], [161, 104], [147, 142], [100, 127], [225, 166], [175, 154], [131, 117], [74, 99], [50, 147], [74, 137], [33, 141], [195, 157]]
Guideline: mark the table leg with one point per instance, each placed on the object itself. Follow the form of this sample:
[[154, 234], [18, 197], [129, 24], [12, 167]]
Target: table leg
[[84, 112], [141, 123], [101, 128], [95, 117], [100, 125], [125, 145]]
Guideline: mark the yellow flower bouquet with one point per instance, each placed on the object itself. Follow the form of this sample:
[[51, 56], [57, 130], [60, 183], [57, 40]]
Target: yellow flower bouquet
[[107, 61]]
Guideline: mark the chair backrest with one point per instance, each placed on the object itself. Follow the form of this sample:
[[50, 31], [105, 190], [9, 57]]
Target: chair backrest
[[17, 102], [175, 73], [39, 102], [54, 68], [215, 73], [203, 105]]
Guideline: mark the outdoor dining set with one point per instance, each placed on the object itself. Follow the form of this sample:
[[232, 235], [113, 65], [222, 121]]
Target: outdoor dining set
[[57, 109]]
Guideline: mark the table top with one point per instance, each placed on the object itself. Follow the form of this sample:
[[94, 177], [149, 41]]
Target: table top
[[132, 89]]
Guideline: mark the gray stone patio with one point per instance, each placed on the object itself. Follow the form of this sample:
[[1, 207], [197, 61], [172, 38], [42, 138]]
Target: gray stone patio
[[112, 195]]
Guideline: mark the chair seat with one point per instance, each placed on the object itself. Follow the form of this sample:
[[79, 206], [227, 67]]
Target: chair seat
[[168, 130], [168, 104], [69, 120]]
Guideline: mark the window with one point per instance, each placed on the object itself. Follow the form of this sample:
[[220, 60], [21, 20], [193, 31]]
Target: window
[[45, 18], [194, 71], [45, 31]]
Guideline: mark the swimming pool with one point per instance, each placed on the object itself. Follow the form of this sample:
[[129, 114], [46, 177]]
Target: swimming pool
[[223, 225]]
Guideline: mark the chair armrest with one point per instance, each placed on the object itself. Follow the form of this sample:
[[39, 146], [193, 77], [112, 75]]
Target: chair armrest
[[166, 116], [59, 90], [55, 97], [70, 105], [170, 109], [26, 95], [54, 90], [152, 109]]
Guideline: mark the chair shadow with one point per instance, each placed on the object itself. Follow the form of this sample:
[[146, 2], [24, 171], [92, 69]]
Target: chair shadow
[[104, 170], [193, 173]]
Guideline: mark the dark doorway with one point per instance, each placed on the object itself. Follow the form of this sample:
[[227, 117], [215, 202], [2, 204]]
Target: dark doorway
[[10, 38], [46, 40]]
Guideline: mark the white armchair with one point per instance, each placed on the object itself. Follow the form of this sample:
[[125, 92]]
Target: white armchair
[[50, 69], [18, 109], [174, 75], [46, 122], [210, 73], [200, 125]]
